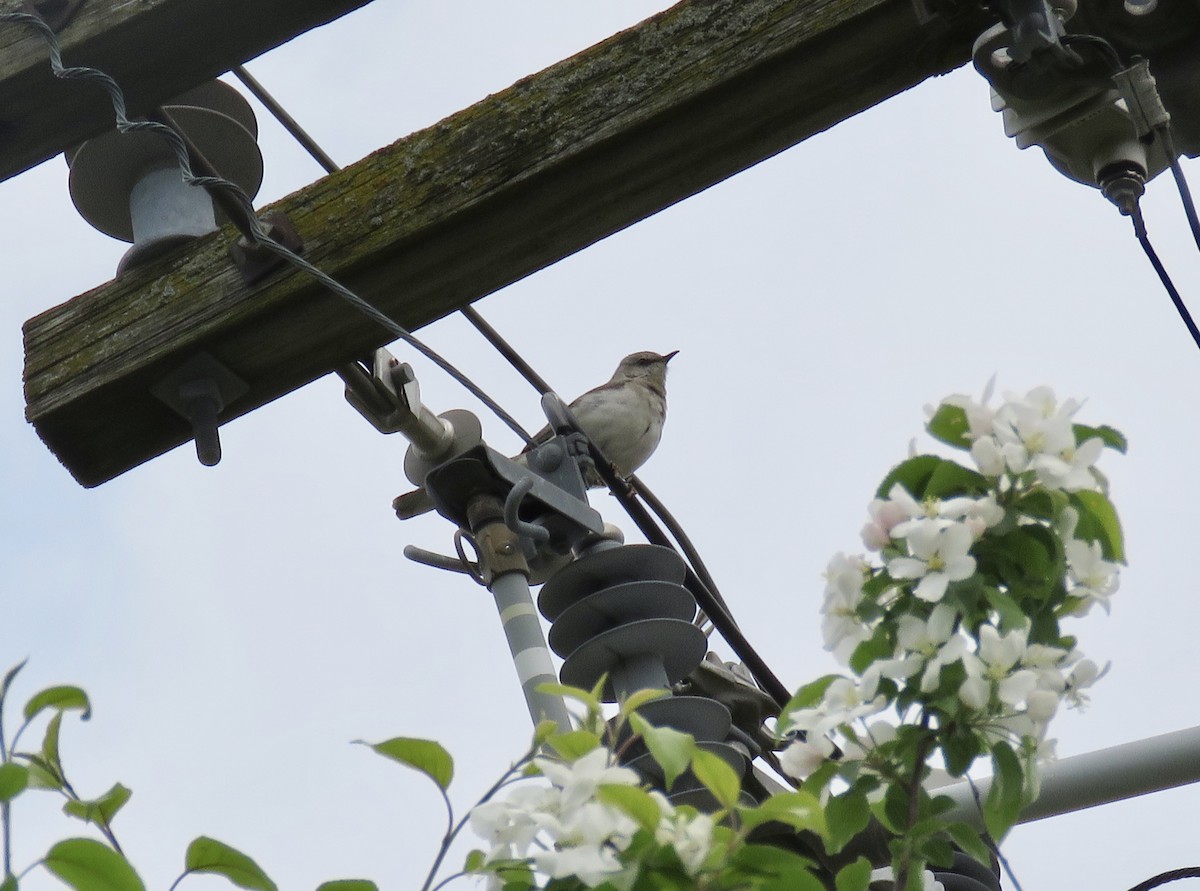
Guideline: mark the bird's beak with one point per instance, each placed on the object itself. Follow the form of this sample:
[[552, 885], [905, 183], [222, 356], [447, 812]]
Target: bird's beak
[[669, 356]]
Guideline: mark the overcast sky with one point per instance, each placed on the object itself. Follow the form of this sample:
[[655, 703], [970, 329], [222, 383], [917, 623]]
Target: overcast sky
[[238, 626]]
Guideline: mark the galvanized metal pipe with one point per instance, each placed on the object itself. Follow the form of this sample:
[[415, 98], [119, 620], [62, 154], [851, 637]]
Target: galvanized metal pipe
[[1084, 781]]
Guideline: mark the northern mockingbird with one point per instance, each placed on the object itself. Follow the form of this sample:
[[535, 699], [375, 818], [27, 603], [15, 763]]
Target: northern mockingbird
[[622, 417]]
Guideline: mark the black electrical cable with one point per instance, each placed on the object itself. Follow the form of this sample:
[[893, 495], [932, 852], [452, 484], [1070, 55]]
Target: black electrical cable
[[1174, 875], [289, 123], [244, 211], [1139, 229], [1106, 49], [681, 537], [1185, 193]]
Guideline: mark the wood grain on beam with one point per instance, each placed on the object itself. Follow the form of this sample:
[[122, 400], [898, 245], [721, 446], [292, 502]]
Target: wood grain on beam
[[463, 208], [156, 49]]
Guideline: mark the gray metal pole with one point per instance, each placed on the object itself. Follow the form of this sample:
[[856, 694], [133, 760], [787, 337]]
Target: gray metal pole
[[1083, 781], [527, 644]]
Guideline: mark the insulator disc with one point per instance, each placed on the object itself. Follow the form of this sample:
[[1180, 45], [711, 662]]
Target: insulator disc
[[105, 169], [610, 607], [680, 645], [652, 770], [604, 569], [705, 719]]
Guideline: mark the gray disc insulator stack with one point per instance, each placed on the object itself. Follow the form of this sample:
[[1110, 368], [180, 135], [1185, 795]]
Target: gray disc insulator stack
[[624, 612], [129, 185]]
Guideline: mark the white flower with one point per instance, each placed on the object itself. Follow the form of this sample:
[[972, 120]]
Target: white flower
[[1083, 676], [885, 515], [840, 626], [875, 735], [592, 864], [580, 779], [1095, 578], [844, 701], [993, 669], [1040, 706], [803, 757], [939, 556], [983, 514], [932, 512], [988, 456], [509, 825], [691, 837], [934, 641], [1071, 468]]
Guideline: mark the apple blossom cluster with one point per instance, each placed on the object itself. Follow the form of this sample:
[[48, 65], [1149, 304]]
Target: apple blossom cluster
[[564, 829], [955, 617]]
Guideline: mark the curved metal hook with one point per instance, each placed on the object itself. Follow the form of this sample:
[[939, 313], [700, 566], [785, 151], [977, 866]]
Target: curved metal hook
[[512, 504]]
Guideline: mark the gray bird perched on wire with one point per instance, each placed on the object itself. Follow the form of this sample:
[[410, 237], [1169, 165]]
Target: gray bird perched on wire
[[623, 418]]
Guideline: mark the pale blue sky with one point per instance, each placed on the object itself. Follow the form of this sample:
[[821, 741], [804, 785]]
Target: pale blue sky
[[238, 626]]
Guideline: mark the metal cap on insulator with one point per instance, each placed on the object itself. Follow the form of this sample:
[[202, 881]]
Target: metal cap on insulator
[[129, 185]]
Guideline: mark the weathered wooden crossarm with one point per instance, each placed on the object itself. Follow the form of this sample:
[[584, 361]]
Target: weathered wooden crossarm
[[156, 49], [487, 196]]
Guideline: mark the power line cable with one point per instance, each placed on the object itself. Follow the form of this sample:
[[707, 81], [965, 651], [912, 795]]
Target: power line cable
[[1174, 875], [244, 209], [1139, 230], [1185, 193], [289, 123]]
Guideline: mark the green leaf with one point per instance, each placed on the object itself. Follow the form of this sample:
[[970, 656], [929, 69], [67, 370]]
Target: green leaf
[[635, 802], [1098, 522], [875, 648], [207, 855], [14, 779], [855, 876], [575, 744], [87, 865], [1011, 615], [1113, 438], [912, 474], [99, 811], [41, 774], [718, 777], [773, 869], [846, 815], [50, 746], [671, 749], [960, 747], [423, 755], [583, 696], [968, 839], [808, 695], [949, 425], [60, 699], [348, 885], [640, 698], [799, 810], [950, 478], [1003, 804], [9, 883], [9, 677], [475, 861]]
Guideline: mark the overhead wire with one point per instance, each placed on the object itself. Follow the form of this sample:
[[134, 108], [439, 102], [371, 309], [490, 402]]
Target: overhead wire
[[244, 209], [1174, 875]]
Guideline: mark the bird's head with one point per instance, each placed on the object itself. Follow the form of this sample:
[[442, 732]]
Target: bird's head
[[644, 365]]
